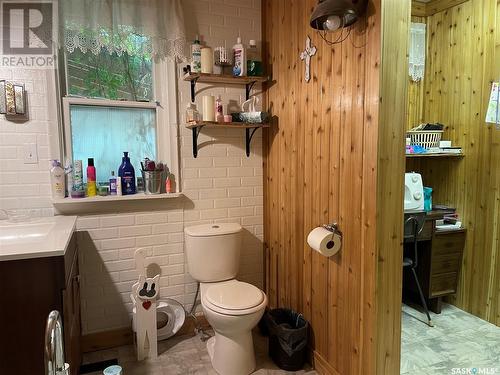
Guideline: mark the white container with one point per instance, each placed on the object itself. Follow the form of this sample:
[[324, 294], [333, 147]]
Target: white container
[[119, 185], [239, 59], [209, 108], [196, 56], [207, 60], [213, 251], [57, 180]]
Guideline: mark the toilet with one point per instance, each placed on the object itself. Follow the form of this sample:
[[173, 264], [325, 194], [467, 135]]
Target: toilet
[[233, 308]]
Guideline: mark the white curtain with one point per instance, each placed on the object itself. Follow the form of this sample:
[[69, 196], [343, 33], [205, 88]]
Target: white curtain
[[417, 51], [138, 27]]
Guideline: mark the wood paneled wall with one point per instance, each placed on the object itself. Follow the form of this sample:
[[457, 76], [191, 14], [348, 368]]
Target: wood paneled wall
[[463, 58], [322, 164]]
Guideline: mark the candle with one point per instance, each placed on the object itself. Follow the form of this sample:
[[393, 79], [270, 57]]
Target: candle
[[208, 108], [207, 60]]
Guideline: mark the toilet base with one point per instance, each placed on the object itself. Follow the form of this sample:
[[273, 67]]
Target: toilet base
[[236, 356]]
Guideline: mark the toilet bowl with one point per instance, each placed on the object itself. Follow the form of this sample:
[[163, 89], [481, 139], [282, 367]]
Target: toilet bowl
[[233, 308]]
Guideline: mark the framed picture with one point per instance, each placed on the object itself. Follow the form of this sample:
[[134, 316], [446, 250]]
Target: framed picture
[[3, 108], [10, 99], [19, 99]]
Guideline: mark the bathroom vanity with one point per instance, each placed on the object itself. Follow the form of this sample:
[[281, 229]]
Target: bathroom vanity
[[38, 273]]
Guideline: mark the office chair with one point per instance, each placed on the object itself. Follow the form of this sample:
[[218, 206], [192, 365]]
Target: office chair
[[412, 263]]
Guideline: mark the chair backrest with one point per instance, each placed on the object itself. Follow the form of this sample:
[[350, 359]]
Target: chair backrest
[[413, 226]]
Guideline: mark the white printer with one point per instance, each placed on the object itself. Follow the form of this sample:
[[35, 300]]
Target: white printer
[[414, 191]]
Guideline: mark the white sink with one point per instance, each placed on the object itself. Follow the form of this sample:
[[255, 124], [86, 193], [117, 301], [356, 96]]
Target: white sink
[[41, 237]]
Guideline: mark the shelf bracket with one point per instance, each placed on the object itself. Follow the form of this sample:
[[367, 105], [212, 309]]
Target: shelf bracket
[[249, 132], [193, 89], [196, 132], [248, 87]]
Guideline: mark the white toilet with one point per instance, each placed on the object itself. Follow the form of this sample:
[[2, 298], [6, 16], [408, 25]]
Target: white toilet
[[233, 308]]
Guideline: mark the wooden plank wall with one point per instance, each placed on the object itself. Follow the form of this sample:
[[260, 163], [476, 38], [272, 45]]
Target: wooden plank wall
[[462, 60], [321, 166], [390, 183]]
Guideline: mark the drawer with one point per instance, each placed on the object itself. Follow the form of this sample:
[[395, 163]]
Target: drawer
[[443, 284], [446, 263], [448, 243]]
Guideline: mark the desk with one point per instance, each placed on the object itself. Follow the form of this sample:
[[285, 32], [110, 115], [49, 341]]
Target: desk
[[439, 262]]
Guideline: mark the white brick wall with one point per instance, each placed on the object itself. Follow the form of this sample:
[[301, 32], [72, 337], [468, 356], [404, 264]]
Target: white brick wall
[[222, 185], [26, 187]]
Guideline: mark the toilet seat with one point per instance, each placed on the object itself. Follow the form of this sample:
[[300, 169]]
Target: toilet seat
[[233, 298]]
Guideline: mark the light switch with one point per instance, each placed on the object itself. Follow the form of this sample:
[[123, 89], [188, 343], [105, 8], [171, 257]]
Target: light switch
[[30, 153]]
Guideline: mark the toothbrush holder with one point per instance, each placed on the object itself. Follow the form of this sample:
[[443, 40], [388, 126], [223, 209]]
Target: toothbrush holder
[[152, 181]]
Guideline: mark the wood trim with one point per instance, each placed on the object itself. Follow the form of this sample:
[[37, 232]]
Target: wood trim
[[437, 6], [123, 336], [390, 173], [322, 366], [419, 9]]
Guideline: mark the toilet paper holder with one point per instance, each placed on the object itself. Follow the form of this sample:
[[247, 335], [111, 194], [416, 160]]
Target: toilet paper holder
[[334, 228]]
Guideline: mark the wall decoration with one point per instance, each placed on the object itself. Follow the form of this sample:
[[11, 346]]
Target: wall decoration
[[10, 99], [19, 99], [306, 56], [3, 109], [493, 112], [13, 103]]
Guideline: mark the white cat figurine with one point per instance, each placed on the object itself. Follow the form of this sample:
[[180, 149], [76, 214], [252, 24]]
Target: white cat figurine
[[144, 294]]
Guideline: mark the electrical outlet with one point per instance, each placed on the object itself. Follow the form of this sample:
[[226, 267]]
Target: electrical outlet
[[30, 153]]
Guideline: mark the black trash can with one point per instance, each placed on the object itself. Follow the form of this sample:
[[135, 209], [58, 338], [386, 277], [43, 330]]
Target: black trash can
[[288, 335]]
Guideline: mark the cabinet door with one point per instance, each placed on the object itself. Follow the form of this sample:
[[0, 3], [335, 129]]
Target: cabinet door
[[72, 325]]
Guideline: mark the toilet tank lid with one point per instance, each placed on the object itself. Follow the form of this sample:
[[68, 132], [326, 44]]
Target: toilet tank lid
[[206, 230]]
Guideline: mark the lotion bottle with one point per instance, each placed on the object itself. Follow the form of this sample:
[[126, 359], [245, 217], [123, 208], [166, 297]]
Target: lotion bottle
[[127, 174], [57, 177], [240, 59]]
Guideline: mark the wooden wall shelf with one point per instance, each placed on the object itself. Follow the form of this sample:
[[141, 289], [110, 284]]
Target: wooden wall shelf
[[250, 130], [220, 79], [441, 155]]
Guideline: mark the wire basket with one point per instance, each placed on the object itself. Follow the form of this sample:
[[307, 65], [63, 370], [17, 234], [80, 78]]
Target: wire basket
[[425, 138]]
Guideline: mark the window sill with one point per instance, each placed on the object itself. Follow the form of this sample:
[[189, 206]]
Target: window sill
[[114, 198]]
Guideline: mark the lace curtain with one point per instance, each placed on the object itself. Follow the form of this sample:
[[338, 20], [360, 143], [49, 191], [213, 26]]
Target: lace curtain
[[417, 51], [153, 28]]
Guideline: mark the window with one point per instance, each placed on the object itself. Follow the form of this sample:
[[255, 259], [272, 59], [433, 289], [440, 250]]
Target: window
[[103, 128], [111, 75], [103, 132], [119, 81]]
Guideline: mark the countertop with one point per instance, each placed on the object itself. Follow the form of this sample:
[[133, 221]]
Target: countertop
[[37, 238]]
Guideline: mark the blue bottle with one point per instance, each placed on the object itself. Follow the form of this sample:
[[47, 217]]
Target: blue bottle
[[127, 174]]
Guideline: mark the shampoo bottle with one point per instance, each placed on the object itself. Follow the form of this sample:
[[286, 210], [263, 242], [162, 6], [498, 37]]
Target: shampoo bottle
[[127, 174], [91, 183], [57, 178], [240, 59], [196, 56]]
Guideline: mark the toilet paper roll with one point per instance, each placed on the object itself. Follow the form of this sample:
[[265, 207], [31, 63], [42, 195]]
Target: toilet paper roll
[[207, 60], [324, 242], [209, 108]]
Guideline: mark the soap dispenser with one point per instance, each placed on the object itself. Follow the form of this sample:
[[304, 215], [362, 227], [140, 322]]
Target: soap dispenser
[[127, 174]]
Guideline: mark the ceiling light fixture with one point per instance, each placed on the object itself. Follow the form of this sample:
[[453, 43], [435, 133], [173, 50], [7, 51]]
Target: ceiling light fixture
[[332, 15]]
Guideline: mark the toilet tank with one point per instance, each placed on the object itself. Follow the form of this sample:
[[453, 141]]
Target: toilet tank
[[213, 251]]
